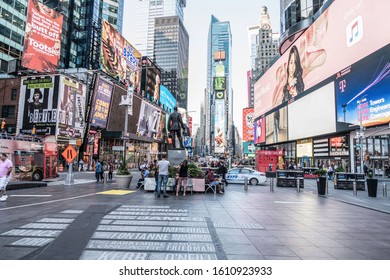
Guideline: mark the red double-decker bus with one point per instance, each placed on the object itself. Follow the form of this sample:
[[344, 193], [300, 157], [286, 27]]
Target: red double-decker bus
[[34, 159]]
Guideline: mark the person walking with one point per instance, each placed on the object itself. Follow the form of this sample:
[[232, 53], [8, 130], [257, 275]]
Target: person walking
[[5, 172], [98, 171], [183, 176], [163, 167], [110, 170], [155, 171], [222, 170]]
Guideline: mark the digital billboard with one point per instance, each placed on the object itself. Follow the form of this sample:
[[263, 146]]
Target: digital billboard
[[118, 58], [259, 130], [247, 124], [276, 126], [149, 120], [71, 109], [150, 80], [363, 91], [219, 83], [167, 101], [117, 113], [42, 40], [219, 127], [356, 30], [101, 104], [249, 149], [38, 104]]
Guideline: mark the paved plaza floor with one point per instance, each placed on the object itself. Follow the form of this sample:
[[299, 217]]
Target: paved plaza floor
[[95, 221]]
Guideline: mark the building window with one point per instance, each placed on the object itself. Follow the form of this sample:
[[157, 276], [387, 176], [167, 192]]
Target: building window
[[8, 112], [14, 94]]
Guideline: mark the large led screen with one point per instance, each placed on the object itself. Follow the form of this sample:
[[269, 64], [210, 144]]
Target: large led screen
[[363, 89], [71, 109], [101, 106], [259, 131], [247, 124], [42, 40], [276, 126], [219, 127], [38, 104], [167, 101], [357, 28], [149, 120], [314, 114], [118, 58]]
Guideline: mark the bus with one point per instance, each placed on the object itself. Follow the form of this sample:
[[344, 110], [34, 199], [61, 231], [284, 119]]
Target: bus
[[34, 159]]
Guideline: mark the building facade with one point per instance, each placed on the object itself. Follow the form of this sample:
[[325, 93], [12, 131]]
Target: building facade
[[147, 12], [171, 53], [219, 107], [113, 13]]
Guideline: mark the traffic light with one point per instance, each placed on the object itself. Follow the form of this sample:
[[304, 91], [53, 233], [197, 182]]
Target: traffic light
[[3, 124]]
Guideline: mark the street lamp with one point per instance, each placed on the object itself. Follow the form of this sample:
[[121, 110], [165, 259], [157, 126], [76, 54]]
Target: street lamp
[[127, 102], [361, 132]]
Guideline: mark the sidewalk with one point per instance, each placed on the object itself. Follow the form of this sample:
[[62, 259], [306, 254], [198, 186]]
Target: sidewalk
[[380, 203]]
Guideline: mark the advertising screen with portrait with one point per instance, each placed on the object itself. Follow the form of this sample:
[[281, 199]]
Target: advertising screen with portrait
[[259, 130], [38, 104], [247, 124], [118, 58], [149, 120], [101, 104], [276, 126], [315, 56], [42, 40], [150, 80], [71, 113], [366, 82]]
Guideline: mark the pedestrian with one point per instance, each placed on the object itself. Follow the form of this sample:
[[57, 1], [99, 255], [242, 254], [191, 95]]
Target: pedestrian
[[222, 170], [163, 168], [5, 172], [81, 165], [155, 171], [210, 179], [183, 177], [110, 170], [98, 171]]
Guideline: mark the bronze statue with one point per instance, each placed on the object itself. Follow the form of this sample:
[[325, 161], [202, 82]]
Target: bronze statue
[[175, 124]]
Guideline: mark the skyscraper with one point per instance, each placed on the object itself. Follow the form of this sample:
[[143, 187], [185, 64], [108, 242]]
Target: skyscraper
[[219, 107], [263, 44], [147, 12], [171, 47], [113, 13]]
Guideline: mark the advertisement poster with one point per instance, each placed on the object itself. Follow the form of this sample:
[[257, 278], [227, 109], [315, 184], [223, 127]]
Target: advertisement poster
[[339, 146], [162, 128], [276, 126], [150, 80], [259, 131], [71, 113], [363, 91], [219, 127], [167, 101], [247, 124], [38, 105], [118, 58], [249, 149], [358, 27], [101, 106], [42, 42], [149, 120]]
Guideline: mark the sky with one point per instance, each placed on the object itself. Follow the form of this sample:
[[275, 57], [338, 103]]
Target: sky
[[197, 18]]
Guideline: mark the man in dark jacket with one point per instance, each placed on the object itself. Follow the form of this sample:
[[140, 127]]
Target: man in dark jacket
[[175, 124]]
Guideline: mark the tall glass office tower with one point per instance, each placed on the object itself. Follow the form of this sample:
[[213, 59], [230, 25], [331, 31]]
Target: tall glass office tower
[[147, 12], [171, 51], [219, 41], [113, 13]]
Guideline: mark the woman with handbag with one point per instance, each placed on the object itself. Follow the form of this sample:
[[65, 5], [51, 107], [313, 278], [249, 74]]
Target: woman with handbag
[[183, 177]]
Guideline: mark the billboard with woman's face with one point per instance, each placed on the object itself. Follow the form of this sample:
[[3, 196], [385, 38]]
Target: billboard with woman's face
[[356, 30]]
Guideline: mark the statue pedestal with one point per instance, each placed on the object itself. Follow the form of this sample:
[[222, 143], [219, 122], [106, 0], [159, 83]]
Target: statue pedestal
[[176, 156]]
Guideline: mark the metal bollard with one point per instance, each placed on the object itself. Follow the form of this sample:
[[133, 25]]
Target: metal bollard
[[298, 186], [271, 186], [105, 178], [384, 189], [354, 188], [246, 183]]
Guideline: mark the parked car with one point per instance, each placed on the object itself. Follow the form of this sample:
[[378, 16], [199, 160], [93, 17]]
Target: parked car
[[238, 175]]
